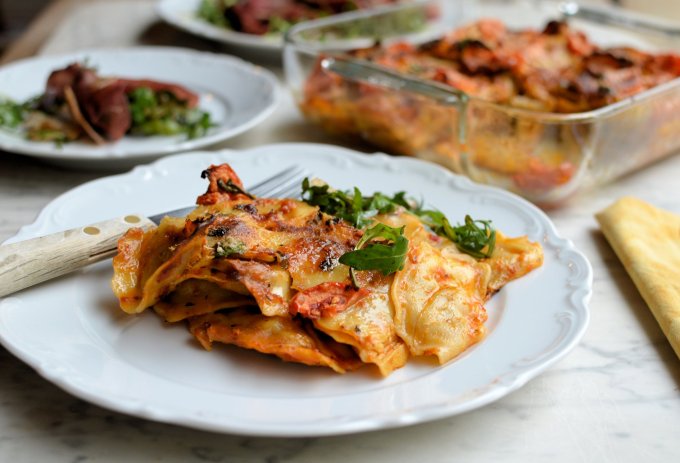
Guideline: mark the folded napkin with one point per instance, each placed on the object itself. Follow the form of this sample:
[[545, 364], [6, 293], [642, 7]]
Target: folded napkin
[[647, 241]]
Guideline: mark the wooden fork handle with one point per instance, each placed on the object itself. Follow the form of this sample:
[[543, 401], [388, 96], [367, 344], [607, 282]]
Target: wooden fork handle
[[27, 263]]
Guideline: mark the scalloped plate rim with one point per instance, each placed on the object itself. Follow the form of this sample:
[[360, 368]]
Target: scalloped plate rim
[[111, 152], [196, 26], [582, 292]]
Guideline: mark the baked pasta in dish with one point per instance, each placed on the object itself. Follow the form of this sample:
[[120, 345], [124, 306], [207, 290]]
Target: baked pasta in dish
[[509, 129], [335, 279]]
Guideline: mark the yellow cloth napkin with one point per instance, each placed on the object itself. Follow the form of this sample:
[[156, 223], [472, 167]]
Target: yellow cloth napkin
[[647, 241]]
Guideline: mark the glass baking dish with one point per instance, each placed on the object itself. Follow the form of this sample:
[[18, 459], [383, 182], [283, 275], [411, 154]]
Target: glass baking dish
[[545, 157]]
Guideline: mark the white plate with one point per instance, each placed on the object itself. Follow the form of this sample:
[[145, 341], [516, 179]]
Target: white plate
[[73, 333], [182, 14], [238, 95]]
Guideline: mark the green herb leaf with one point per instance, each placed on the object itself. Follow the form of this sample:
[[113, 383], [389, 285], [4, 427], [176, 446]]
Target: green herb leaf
[[356, 209], [386, 256], [475, 237], [213, 12], [161, 113], [472, 239], [231, 187], [12, 114], [229, 247], [380, 231]]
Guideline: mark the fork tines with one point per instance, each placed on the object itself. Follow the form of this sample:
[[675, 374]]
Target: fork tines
[[282, 185]]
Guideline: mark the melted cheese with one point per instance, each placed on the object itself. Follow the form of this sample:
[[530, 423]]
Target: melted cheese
[[439, 301], [264, 274], [368, 326], [270, 246]]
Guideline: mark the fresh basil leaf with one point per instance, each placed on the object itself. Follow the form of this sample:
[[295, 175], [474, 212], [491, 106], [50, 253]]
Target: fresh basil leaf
[[472, 239], [385, 258], [353, 208], [381, 230], [335, 203], [475, 237]]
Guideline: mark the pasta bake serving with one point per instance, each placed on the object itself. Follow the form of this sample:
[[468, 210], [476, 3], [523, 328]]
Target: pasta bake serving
[[336, 279], [541, 111]]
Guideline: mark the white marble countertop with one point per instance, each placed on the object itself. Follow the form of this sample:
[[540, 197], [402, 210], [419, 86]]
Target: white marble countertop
[[615, 398]]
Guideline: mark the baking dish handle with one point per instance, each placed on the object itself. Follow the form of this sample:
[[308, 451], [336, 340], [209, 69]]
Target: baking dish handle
[[571, 9], [365, 72]]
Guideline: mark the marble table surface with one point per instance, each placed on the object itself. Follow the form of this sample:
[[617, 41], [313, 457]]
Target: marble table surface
[[614, 398]]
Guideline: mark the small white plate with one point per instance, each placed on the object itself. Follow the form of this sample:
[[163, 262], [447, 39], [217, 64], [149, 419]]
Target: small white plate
[[73, 333], [183, 15], [237, 94]]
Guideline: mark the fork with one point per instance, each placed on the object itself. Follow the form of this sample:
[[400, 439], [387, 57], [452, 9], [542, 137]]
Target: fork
[[27, 263]]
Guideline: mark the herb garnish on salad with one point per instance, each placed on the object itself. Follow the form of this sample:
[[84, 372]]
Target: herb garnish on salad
[[78, 103]]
